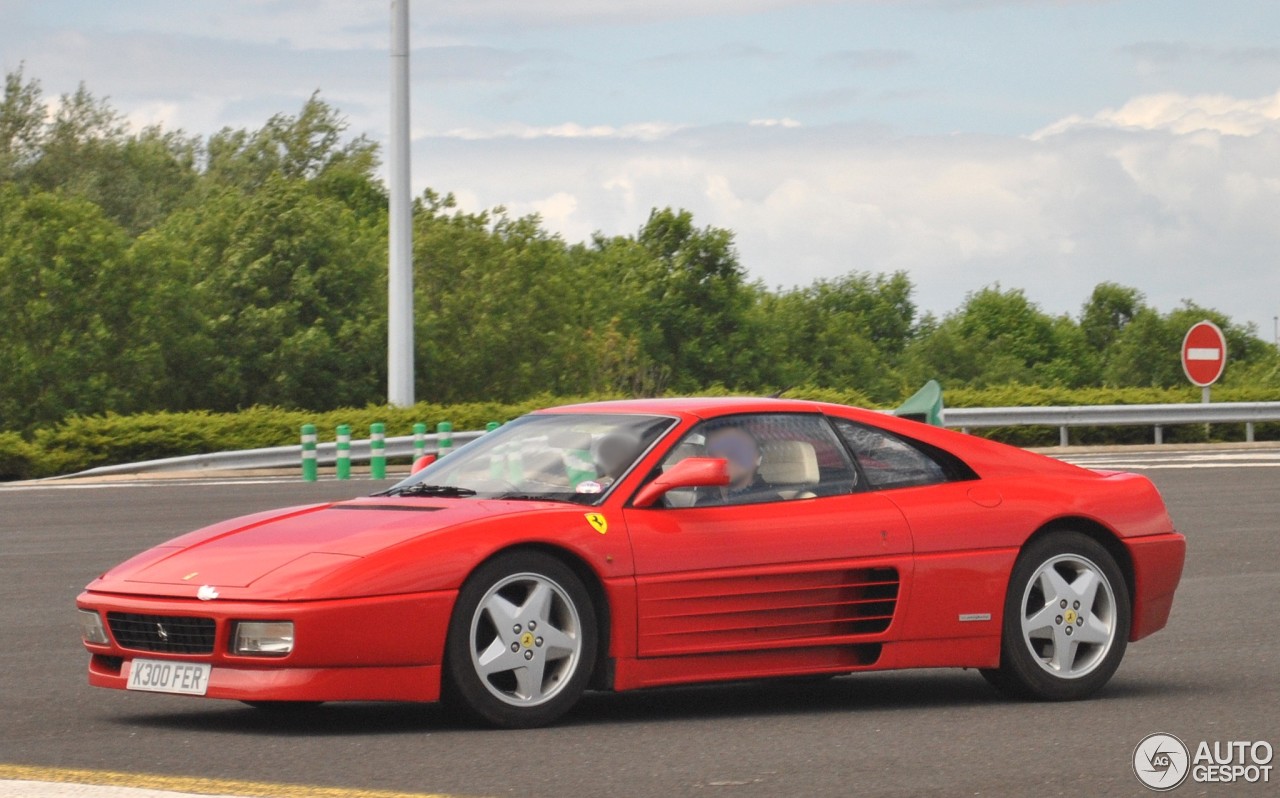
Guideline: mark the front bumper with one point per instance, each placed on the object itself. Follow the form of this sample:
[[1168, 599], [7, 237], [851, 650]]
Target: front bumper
[[380, 648]]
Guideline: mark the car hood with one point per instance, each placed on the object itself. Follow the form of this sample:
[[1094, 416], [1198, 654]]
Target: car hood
[[245, 557]]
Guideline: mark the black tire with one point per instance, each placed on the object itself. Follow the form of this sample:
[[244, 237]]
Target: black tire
[[1051, 651], [520, 607]]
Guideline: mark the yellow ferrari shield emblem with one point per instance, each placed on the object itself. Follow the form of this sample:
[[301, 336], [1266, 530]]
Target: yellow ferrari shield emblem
[[598, 522]]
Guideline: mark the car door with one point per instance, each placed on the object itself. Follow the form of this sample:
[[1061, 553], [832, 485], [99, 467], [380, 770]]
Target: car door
[[806, 559], [965, 536]]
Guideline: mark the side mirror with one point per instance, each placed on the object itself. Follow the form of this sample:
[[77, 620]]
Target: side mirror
[[422, 462], [692, 472]]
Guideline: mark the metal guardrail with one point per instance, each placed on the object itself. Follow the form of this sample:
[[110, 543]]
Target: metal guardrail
[[964, 418], [274, 457], [1157, 416]]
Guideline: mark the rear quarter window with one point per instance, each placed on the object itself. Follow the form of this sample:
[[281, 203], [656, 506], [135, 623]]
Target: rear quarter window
[[891, 461]]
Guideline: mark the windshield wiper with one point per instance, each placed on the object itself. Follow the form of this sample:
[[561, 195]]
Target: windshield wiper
[[422, 489], [532, 497]]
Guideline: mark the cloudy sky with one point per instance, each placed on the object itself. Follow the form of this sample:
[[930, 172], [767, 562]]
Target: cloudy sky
[[1046, 145]]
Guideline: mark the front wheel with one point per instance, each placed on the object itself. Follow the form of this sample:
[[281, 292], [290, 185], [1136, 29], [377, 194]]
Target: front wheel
[[522, 641], [1066, 620]]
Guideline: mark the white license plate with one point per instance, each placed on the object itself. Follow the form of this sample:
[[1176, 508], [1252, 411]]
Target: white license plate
[[163, 676]]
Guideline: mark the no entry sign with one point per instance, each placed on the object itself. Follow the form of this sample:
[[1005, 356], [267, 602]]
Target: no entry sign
[[1204, 353]]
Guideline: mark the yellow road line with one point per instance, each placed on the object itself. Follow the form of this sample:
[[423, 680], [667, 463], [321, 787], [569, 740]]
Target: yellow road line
[[187, 784]]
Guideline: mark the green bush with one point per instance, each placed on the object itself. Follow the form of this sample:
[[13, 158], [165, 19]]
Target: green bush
[[16, 457], [83, 442]]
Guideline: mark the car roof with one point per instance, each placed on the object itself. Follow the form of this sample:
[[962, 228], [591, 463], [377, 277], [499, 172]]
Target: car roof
[[701, 406], [986, 457]]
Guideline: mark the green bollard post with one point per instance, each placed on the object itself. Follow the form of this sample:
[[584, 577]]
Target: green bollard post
[[497, 462], [377, 450], [344, 451], [308, 452], [445, 442], [419, 441]]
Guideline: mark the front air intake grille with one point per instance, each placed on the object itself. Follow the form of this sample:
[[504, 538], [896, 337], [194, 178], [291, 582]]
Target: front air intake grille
[[170, 634]]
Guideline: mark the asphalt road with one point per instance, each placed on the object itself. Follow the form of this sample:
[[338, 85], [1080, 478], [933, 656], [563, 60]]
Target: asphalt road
[[1211, 675]]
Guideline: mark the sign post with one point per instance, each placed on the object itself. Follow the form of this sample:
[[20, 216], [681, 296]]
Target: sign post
[[400, 220], [1204, 355]]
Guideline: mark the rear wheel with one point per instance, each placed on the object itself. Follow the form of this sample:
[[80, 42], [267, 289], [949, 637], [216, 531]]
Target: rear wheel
[[1066, 620], [522, 641]]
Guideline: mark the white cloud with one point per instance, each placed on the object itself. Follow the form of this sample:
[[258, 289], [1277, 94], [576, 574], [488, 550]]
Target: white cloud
[[1182, 115], [646, 131], [1174, 195], [560, 212]]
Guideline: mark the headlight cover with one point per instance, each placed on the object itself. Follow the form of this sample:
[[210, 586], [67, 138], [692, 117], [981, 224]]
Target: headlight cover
[[263, 638], [91, 628]]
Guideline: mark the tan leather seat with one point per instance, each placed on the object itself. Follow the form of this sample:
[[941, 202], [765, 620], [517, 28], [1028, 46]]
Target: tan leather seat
[[791, 467]]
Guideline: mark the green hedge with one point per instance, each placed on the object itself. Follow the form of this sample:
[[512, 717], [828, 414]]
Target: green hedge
[[84, 442], [17, 457]]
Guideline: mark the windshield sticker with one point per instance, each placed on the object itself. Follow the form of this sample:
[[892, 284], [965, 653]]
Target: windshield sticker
[[598, 522], [589, 486]]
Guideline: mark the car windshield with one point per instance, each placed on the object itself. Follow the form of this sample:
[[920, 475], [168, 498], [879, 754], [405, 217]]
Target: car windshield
[[574, 457]]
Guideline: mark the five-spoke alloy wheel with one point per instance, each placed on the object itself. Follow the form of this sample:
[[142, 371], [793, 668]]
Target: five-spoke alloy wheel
[[1066, 620], [522, 641]]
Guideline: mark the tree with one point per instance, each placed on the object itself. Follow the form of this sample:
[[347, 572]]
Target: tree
[[85, 149], [270, 287], [940, 351], [849, 332], [689, 304], [149, 269], [1108, 311], [303, 147], [68, 300], [1147, 352], [499, 308], [22, 116], [291, 289], [998, 337]]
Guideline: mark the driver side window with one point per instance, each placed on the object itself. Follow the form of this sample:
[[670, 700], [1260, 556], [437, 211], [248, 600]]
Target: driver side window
[[772, 457]]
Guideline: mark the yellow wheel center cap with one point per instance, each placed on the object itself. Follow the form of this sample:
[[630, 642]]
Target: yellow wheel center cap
[[1070, 617], [526, 639]]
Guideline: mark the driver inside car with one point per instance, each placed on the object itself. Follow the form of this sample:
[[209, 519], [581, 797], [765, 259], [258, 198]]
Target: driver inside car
[[613, 455], [742, 451]]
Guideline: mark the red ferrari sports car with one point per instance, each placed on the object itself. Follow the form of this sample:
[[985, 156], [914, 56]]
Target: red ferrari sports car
[[633, 544]]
